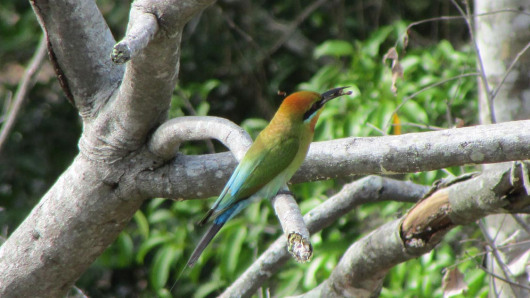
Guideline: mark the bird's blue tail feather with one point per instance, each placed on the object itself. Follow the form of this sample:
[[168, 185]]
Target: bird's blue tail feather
[[205, 240]]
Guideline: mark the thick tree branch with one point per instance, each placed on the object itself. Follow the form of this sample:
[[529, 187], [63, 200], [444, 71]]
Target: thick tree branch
[[345, 157], [125, 121], [69, 228], [78, 43], [361, 270], [368, 189], [417, 152], [97, 195]]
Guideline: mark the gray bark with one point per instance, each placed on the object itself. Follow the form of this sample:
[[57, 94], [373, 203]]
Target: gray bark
[[365, 190], [81, 64], [126, 154], [96, 196], [361, 270], [502, 39], [346, 157]]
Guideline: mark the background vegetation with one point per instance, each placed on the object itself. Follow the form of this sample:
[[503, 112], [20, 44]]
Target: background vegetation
[[235, 58]]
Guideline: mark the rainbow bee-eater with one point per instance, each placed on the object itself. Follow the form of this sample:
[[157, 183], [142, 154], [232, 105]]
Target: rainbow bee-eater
[[270, 162]]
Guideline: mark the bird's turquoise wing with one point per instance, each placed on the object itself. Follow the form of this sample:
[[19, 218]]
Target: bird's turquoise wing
[[257, 168]]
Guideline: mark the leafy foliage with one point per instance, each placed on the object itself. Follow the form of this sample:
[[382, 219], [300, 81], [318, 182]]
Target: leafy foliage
[[237, 74], [164, 233]]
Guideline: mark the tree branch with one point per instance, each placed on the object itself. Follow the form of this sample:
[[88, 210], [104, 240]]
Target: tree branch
[[81, 64], [293, 226], [141, 30], [166, 140], [125, 121], [28, 81], [69, 228], [96, 196], [368, 189], [417, 152], [480, 64], [361, 270], [407, 153]]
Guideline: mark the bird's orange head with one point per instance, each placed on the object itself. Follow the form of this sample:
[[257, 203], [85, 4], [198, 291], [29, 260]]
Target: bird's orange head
[[307, 105]]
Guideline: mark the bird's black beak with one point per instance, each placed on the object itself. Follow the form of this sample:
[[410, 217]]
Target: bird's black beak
[[333, 93], [325, 97]]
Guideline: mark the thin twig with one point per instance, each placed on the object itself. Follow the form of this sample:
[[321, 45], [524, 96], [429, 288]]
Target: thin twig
[[449, 103], [480, 254], [521, 52], [407, 98], [496, 255], [6, 105], [498, 276], [449, 18], [293, 25], [480, 64], [526, 180], [423, 126], [521, 223], [28, 81], [238, 29], [382, 132]]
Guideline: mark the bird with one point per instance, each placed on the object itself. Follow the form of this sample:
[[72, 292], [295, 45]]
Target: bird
[[270, 162]]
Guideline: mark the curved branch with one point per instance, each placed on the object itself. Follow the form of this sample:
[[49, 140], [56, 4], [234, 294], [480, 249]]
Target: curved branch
[[168, 137], [368, 189], [407, 153], [361, 270], [166, 140]]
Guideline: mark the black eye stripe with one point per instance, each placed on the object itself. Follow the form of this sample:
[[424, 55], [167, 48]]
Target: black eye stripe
[[315, 107]]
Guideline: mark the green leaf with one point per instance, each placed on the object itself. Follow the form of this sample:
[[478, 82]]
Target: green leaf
[[207, 288], [164, 293], [414, 112], [234, 251], [203, 108], [160, 216], [475, 280], [335, 48], [163, 260], [126, 248], [141, 222], [310, 280], [151, 243], [208, 86], [371, 47], [154, 204]]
